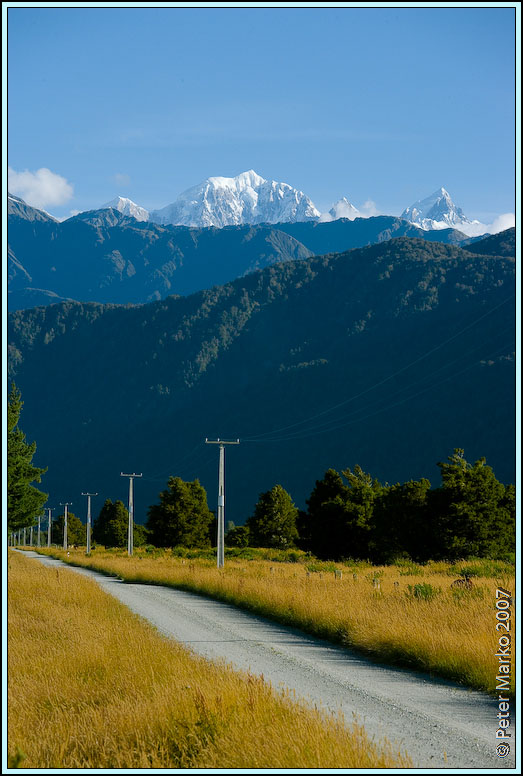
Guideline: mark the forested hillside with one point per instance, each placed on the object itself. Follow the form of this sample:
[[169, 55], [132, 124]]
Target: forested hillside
[[387, 357], [104, 256]]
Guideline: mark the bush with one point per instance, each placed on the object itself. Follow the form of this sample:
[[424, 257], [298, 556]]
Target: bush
[[423, 591]]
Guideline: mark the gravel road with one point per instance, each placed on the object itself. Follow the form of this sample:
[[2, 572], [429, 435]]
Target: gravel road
[[438, 723]]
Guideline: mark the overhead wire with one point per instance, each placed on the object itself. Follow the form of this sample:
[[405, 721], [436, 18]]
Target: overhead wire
[[424, 378], [305, 433], [258, 437]]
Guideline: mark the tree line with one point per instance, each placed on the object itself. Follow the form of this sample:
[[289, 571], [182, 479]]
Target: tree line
[[349, 514], [352, 515]]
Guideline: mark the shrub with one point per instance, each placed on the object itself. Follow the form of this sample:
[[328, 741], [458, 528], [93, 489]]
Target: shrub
[[423, 591]]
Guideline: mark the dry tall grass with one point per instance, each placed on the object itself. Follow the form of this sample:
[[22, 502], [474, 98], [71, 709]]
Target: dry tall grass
[[93, 686], [382, 611]]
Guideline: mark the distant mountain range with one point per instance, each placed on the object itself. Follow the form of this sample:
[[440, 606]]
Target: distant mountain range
[[250, 199], [112, 256], [386, 356]]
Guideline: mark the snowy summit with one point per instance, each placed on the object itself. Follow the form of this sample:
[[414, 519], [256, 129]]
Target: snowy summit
[[246, 199], [437, 212], [128, 208], [344, 209]]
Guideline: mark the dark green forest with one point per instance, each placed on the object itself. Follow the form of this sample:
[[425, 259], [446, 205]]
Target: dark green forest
[[350, 515], [385, 357]]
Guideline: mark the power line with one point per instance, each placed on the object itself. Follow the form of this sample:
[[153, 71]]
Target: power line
[[334, 422], [176, 465], [257, 437], [305, 433]]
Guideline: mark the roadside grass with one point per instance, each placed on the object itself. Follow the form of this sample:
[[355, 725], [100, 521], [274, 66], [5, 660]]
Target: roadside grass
[[91, 685], [406, 614]]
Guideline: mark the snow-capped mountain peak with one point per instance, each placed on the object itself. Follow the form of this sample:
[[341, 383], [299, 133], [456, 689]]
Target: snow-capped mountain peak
[[245, 199], [240, 182], [344, 209], [437, 211], [128, 208]]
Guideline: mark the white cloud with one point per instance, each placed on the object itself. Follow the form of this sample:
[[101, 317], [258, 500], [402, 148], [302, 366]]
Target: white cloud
[[502, 222], [476, 228], [41, 188], [369, 209]]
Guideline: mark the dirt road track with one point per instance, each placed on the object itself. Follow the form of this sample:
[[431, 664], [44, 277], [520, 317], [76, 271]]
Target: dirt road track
[[439, 723]]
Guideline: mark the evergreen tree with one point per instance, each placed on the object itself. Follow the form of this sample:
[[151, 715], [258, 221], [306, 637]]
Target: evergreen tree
[[111, 526], [402, 523], [24, 501], [182, 518], [273, 523], [325, 531], [476, 512], [362, 494], [340, 515]]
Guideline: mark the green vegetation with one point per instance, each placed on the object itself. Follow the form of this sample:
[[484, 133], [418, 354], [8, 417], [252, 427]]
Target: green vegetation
[[350, 516], [396, 350], [273, 523], [182, 517], [112, 524], [500, 244], [24, 501], [471, 515], [76, 530]]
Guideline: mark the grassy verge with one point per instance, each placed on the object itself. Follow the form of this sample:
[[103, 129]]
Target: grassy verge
[[93, 686], [404, 614]]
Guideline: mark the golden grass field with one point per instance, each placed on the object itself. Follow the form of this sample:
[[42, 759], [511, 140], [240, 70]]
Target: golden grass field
[[448, 632], [91, 685]]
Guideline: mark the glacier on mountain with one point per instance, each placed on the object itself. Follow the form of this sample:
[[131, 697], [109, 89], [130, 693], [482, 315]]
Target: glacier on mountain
[[246, 199], [438, 211], [250, 199]]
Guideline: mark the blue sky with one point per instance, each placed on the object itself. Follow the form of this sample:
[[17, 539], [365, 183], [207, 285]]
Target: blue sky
[[379, 104]]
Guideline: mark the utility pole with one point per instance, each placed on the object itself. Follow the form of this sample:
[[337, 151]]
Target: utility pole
[[220, 551], [130, 530], [49, 523], [67, 504], [88, 548]]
